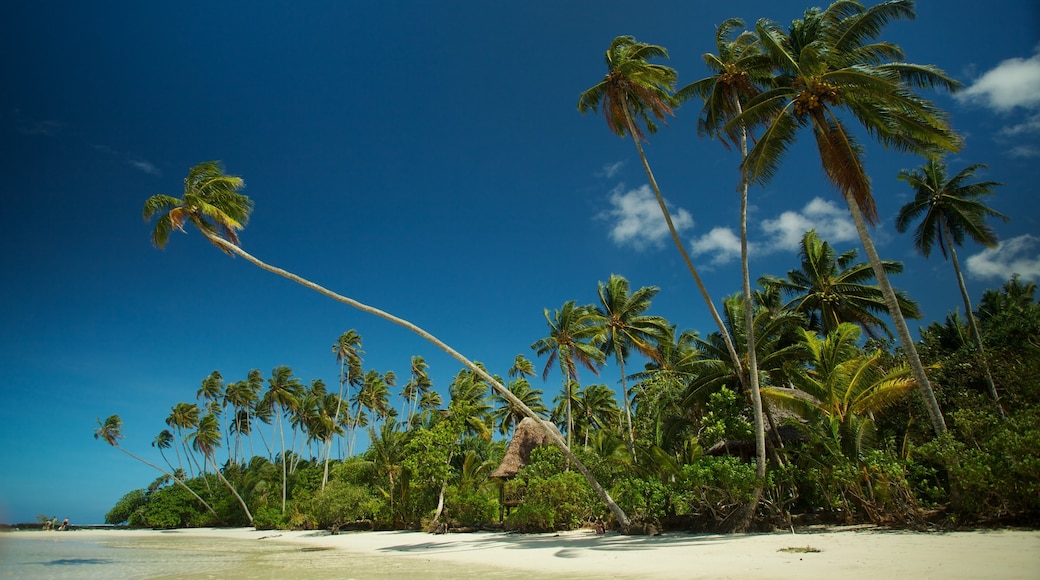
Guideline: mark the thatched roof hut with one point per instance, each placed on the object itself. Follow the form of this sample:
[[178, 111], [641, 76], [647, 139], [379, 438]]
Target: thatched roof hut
[[528, 435]]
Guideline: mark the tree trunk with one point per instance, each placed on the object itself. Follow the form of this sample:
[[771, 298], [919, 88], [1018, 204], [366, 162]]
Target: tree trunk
[[175, 479], [923, 384], [723, 331], [616, 510], [232, 488], [973, 324], [749, 322]]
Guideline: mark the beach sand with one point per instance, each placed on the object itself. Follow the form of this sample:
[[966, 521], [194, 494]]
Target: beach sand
[[828, 554]]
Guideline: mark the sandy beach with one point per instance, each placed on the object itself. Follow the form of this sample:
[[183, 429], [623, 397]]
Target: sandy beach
[[861, 553]]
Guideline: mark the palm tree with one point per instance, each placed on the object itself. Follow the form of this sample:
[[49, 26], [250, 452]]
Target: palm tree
[[348, 354], [183, 416], [843, 388], [597, 410], [418, 385], [739, 70], [828, 65], [625, 326], [111, 432], [205, 439], [281, 396], [572, 339], [635, 90], [950, 208], [164, 440], [469, 396], [508, 415], [830, 289], [217, 208]]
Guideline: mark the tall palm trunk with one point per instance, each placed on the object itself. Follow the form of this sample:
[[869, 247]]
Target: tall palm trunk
[[916, 366], [682, 248], [631, 439], [616, 510], [749, 322], [281, 433], [972, 323]]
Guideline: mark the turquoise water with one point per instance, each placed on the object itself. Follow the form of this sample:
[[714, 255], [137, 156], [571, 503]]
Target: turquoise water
[[63, 555]]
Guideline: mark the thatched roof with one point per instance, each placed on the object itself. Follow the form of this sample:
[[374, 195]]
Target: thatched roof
[[528, 435]]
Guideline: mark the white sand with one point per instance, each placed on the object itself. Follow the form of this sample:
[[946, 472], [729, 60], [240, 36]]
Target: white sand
[[842, 554]]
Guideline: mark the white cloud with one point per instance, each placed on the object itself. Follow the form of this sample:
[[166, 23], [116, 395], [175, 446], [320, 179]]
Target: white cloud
[[1024, 151], [1014, 82], [721, 242], [637, 221], [1019, 255], [831, 223], [1030, 125], [146, 166], [611, 169]]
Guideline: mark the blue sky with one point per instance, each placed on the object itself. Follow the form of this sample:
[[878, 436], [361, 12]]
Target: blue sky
[[425, 158]]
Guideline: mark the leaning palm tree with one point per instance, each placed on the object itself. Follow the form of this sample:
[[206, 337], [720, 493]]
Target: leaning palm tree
[[573, 339], [205, 439], [212, 203], [635, 92], [830, 70], [111, 431], [950, 208], [621, 319], [739, 71]]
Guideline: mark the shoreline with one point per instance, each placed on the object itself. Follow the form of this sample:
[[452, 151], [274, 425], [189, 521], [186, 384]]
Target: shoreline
[[855, 553]]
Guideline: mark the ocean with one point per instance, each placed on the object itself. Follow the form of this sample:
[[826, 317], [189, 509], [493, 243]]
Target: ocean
[[69, 555]]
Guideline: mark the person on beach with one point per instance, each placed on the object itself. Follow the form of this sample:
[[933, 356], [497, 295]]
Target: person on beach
[[64, 525]]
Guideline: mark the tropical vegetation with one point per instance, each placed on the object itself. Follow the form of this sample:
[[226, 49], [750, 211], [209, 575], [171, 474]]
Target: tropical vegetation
[[797, 407]]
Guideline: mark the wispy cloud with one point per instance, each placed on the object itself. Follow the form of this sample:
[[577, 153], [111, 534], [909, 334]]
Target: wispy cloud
[[139, 164], [27, 126], [636, 218], [611, 169], [1019, 255], [146, 166], [831, 222], [1014, 82], [1024, 151]]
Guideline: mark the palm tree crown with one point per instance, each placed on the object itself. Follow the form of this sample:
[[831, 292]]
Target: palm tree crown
[[211, 201]]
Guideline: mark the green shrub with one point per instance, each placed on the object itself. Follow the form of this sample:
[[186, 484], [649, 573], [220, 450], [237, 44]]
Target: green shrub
[[127, 508], [713, 488], [341, 503], [643, 500], [563, 501]]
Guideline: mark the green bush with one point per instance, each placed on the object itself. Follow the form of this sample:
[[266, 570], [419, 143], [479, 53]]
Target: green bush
[[643, 500], [341, 503], [128, 508], [713, 488], [554, 499]]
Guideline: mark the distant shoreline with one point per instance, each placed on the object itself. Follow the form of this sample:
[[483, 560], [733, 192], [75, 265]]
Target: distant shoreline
[[859, 553]]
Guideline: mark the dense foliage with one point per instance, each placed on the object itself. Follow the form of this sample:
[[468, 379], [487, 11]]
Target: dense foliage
[[795, 410]]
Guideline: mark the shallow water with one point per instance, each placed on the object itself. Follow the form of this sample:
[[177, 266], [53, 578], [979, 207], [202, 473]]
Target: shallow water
[[166, 556]]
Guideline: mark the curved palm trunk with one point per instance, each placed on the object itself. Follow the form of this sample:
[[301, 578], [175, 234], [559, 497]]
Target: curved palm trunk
[[973, 324], [616, 510], [174, 478], [231, 488], [923, 384], [682, 249]]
